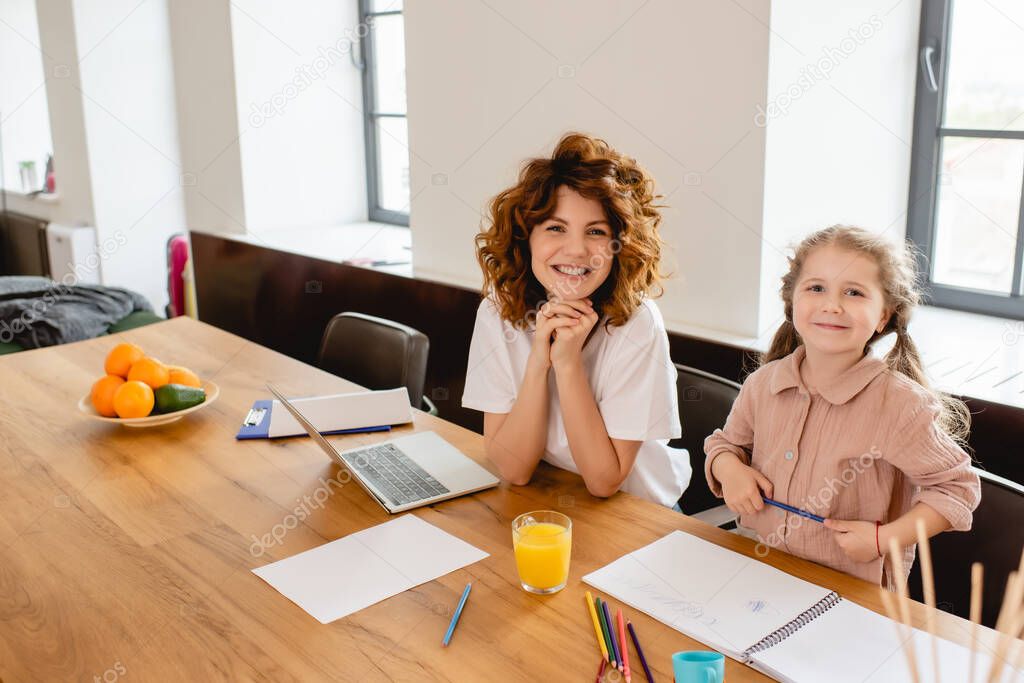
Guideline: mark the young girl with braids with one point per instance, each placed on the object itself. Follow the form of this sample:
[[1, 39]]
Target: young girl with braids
[[827, 426], [569, 359]]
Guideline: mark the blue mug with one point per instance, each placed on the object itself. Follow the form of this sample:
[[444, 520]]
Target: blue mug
[[698, 667]]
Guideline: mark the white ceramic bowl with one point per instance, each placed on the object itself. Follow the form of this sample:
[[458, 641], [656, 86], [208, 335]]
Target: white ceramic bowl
[[212, 392]]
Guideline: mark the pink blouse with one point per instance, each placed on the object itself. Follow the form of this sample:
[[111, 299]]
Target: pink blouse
[[867, 447]]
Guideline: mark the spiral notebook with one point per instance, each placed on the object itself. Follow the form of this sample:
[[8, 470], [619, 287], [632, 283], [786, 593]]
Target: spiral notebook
[[787, 628]]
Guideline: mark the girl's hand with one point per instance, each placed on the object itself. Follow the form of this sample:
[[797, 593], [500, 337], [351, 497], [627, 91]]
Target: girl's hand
[[742, 485], [569, 340], [856, 538], [550, 318]]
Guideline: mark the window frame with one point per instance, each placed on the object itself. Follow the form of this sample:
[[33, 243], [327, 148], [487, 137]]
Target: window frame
[[924, 171], [375, 211]]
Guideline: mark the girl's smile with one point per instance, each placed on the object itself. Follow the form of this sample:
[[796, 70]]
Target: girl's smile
[[830, 326], [571, 270]]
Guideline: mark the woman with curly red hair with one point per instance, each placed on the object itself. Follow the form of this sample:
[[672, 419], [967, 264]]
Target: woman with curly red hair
[[569, 359]]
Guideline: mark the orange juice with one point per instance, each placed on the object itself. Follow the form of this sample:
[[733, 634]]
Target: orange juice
[[542, 550]]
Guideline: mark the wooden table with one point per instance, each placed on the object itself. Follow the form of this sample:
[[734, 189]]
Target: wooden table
[[128, 552]]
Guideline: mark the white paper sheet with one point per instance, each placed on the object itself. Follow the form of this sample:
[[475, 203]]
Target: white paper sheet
[[343, 411], [361, 569], [710, 593]]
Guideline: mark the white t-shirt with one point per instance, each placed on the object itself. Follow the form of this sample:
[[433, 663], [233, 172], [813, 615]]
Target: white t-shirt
[[634, 385]]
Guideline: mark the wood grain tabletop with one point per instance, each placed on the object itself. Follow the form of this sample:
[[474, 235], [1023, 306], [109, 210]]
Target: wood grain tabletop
[[127, 553]]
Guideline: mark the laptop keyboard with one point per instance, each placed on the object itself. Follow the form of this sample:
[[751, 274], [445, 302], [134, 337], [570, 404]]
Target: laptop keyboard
[[394, 474]]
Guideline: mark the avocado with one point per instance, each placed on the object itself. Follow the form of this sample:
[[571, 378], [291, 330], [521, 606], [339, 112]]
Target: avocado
[[173, 397]]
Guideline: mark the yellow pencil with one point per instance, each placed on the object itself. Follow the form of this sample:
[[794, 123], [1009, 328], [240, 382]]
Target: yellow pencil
[[597, 625]]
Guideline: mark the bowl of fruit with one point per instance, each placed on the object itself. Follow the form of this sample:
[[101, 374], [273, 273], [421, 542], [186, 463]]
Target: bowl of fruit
[[140, 391]]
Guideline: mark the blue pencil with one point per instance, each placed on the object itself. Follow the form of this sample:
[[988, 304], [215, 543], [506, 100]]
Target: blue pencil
[[455, 617], [611, 634], [795, 511]]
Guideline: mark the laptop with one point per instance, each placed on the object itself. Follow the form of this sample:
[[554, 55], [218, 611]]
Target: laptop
[[407, 472]]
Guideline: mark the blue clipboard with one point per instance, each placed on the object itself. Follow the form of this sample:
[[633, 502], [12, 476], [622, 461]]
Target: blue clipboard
[[257, 424]]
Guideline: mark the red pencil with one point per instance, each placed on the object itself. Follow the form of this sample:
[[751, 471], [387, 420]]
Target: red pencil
[[625, 648], [600, 672]]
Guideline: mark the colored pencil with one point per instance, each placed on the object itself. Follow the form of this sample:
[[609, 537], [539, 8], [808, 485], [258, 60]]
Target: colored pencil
[[795, 511], [977, 577], [455, 617], [890, 609], [928, 586], [600, 672], [604, 630], [625, 646], [896, 557], [616, 657], [640, 652], [597, 625], [1006, 622]]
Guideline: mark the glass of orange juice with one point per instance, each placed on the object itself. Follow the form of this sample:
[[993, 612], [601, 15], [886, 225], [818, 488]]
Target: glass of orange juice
[[542, 542]]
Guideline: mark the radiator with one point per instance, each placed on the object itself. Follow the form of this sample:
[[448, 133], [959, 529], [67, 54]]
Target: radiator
[[72, 253]]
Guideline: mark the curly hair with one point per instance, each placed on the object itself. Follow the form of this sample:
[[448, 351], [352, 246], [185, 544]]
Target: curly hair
[[596, 171]]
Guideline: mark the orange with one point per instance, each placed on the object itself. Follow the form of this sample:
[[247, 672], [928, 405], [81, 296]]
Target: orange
[[103, 394], [180, 375], [150, 371], [119, 360], [133, 399]]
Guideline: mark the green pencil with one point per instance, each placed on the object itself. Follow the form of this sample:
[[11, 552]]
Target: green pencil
[[604, 630]]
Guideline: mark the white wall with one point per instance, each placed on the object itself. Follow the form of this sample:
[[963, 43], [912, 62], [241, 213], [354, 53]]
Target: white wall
[[839, 135], [684, 87], [264, 99], [59, 48], [299, 103], [149, 138], [674, 84], [208, 132], [132, 133]]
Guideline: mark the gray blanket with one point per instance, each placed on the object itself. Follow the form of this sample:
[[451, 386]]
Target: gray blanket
[[36, 311]]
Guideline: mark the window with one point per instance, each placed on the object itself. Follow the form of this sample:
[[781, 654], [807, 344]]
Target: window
[[965, 206], [25, 143], [387, 131]]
